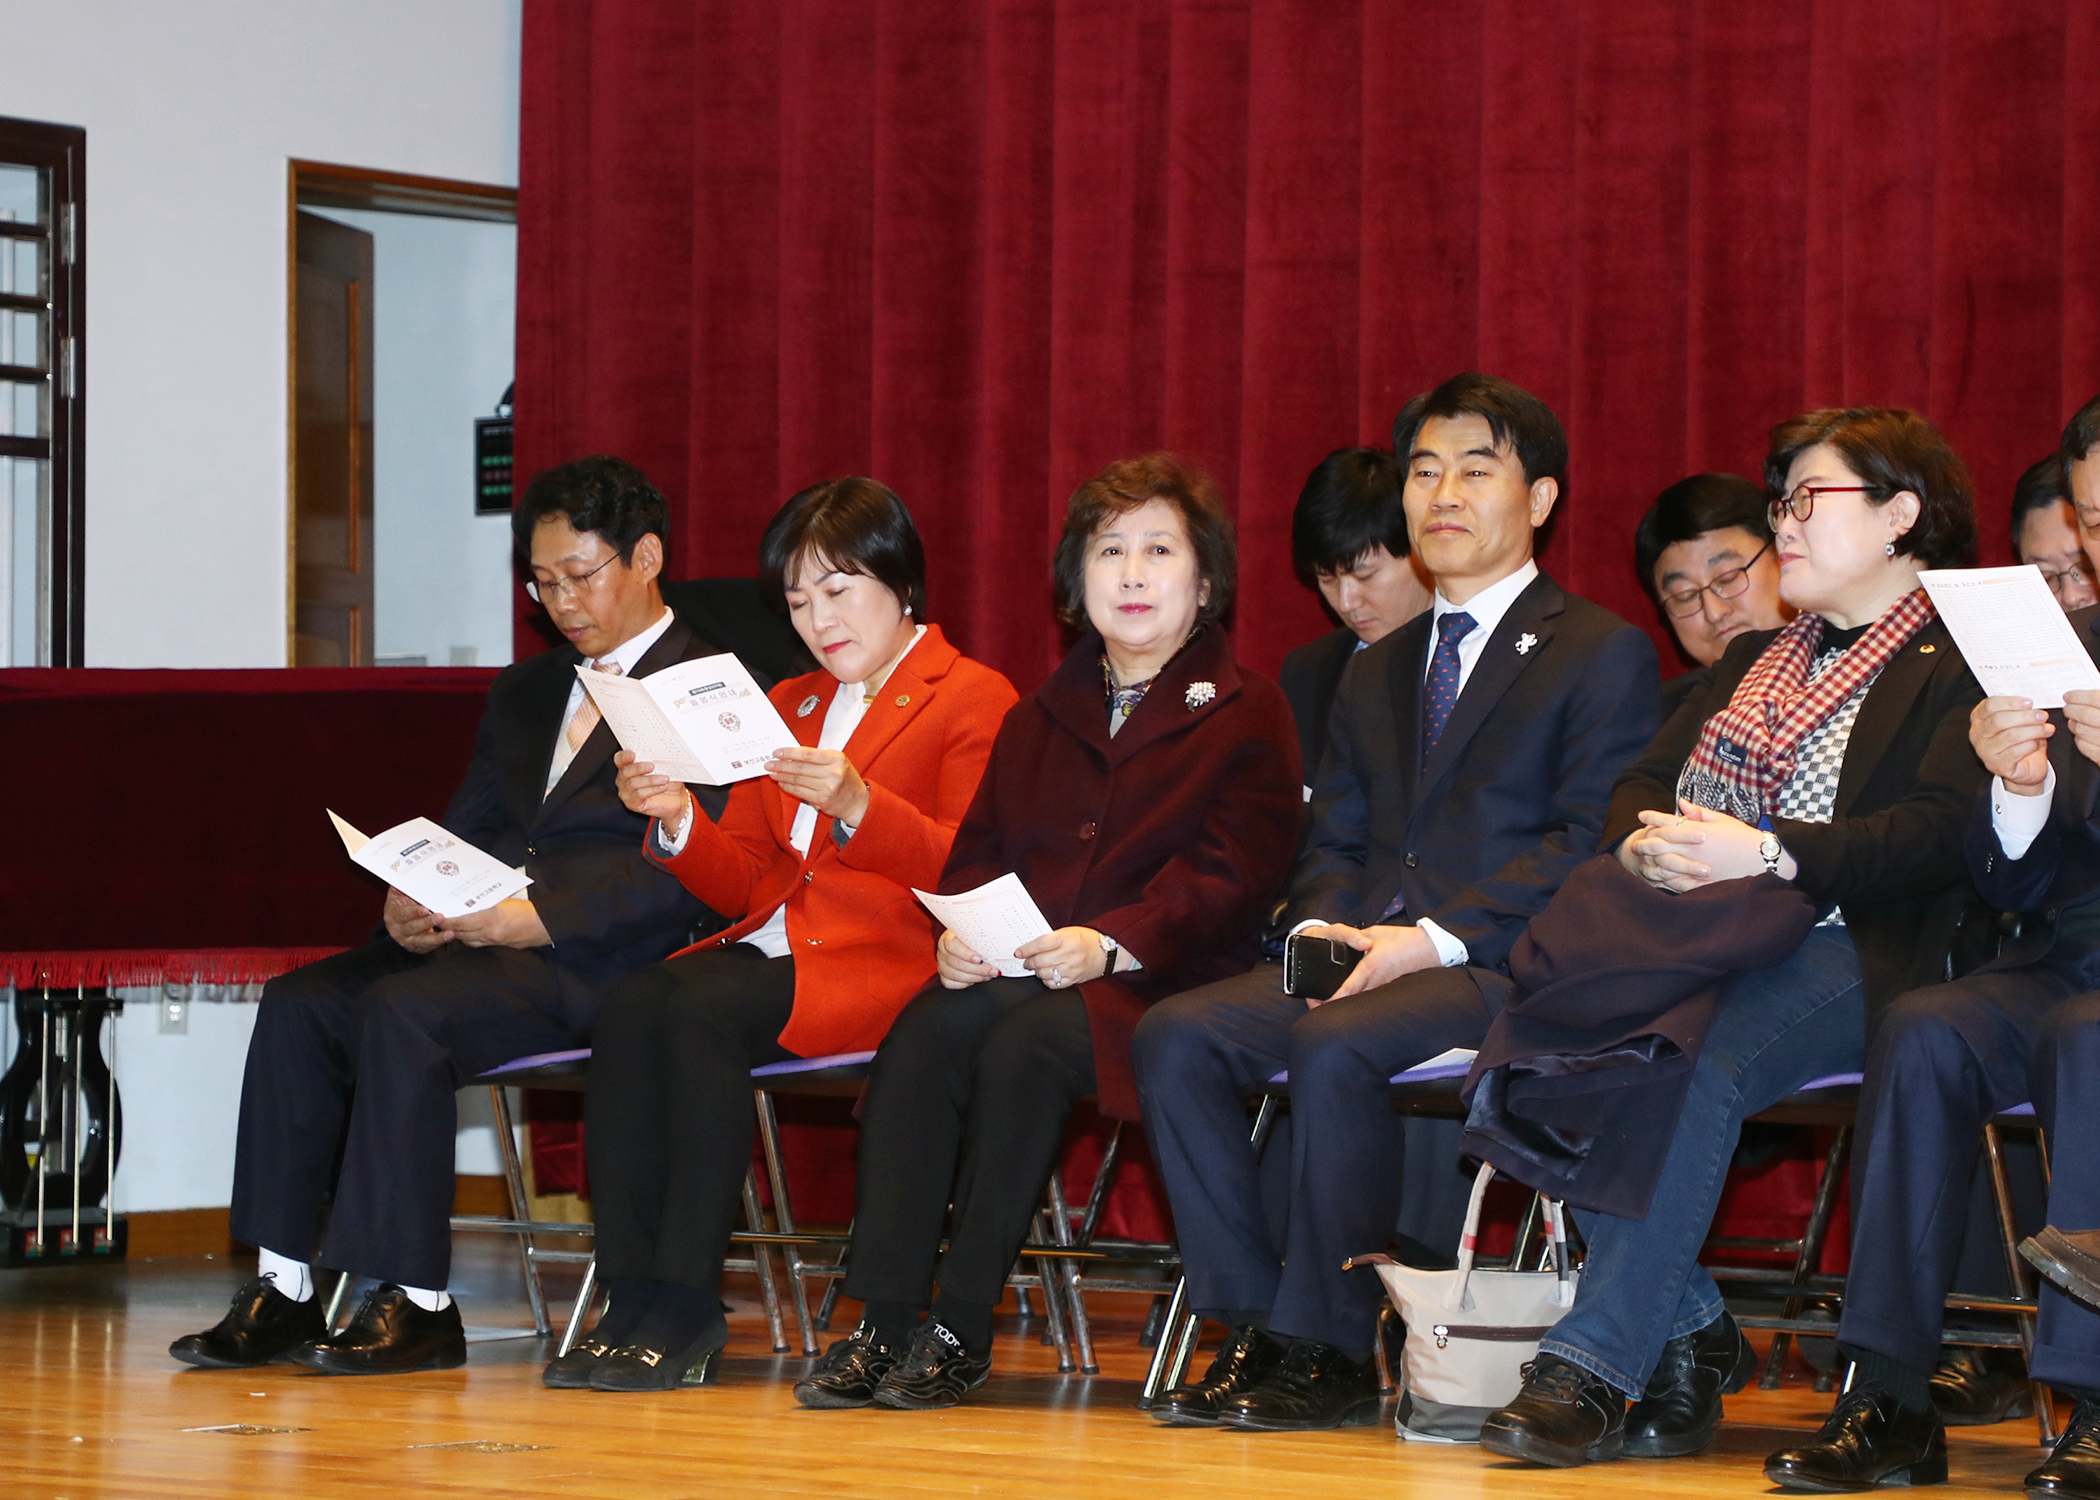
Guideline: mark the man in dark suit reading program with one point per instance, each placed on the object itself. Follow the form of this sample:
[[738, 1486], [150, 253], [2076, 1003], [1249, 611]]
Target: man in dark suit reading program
[[356, 1058], [1470, 760]]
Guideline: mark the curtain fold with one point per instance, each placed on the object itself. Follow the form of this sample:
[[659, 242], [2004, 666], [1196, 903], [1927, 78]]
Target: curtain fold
[[980, 249]]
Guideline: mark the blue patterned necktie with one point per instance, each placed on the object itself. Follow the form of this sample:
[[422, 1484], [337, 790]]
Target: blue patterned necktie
[[1440, 692]]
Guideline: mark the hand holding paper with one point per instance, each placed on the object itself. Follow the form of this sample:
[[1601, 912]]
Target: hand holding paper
[[433, 867], [2012, 632], [702, 721], [992, 920]]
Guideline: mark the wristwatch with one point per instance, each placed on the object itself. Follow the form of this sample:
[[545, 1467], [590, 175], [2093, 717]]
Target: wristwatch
[[1769, 851], [1109, 949]]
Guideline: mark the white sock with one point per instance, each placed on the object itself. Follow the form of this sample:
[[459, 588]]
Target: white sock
[[293, 1278], [427, 1300]]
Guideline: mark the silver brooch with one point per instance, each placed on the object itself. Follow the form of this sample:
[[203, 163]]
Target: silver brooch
[[1525, 642], [809, 706], [1199, 693]]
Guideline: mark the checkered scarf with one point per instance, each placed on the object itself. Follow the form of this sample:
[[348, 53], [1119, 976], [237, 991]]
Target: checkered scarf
[[1746, 752]]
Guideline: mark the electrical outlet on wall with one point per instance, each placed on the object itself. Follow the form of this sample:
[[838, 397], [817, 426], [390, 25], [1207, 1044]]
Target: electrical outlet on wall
[[174, 1017]]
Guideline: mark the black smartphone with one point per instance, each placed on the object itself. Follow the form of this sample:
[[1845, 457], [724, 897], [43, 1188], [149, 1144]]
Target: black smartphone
[[1314, 967]]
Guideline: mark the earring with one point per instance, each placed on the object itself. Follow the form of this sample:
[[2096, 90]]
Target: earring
[[1889, 546], [1892, 549]]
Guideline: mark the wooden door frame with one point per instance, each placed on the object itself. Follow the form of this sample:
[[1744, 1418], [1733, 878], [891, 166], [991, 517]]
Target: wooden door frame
[[325, 185]]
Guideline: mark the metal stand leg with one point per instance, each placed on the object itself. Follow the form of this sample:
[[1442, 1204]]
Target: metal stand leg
[[784, 1215], [574, 1329], [520, 1207], [762, 1258], [1811, 1249], [2016, 1268]]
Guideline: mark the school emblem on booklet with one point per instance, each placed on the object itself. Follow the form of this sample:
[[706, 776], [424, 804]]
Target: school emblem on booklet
[[1199, 693], [1525, 642], [809, 706], [730, 722], [446, 867]]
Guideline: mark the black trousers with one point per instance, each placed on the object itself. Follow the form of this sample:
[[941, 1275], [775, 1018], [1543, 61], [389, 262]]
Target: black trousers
[[1944, 1060], [355, 1063], [668, 1120], [1198, 1057], [971, 1087]]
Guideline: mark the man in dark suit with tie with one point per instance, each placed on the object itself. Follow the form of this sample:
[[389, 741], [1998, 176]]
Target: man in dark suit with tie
[[356, 1059], [1348, 542], [1470, 762]]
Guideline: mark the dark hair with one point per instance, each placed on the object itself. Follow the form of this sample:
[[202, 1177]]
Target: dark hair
[[1693, 507], [1891, 450], [857, 526], [1518, 420], [1349, 505], [601, 494], [2080, 433], [1125, 486], [2042, 484]]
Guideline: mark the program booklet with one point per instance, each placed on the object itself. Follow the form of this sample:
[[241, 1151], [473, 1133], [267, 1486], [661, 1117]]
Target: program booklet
[[994, 919], [703, 721], [428, 864]]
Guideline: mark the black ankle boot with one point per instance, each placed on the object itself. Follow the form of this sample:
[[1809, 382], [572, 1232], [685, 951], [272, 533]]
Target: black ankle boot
[[1678, 1412]]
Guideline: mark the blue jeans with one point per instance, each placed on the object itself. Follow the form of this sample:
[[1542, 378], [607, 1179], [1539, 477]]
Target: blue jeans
[[1642, 1284]]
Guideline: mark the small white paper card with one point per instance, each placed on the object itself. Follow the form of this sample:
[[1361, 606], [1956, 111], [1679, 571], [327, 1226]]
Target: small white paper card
[[427, 864], [2012, 632], [994, 919], [703, 721]]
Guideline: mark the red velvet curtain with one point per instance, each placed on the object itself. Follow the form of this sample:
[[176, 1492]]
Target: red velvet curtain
[[979, 249]]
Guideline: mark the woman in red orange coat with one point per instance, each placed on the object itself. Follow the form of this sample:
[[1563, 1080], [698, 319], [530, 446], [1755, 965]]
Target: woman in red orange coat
[[819, 856], [1148, 797]]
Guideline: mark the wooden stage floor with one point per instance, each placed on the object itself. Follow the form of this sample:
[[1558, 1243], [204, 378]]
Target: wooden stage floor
[[90, 1405]]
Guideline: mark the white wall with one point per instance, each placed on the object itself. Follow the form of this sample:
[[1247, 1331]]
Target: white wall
[[444, 308], [192, 112]]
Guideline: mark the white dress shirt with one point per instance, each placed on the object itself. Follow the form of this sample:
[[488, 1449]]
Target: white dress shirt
[[2019, 820], [628, 654]]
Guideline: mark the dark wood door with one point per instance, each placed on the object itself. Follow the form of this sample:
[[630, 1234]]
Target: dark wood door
[[332, 446]]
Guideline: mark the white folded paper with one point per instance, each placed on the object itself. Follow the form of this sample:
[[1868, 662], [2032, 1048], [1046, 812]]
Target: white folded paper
[[2012, 632], [993, 920], [703, 721], [427, 864]]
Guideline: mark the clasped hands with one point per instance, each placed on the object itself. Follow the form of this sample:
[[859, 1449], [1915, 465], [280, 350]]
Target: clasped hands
[[1061, 959], [824, 779], [2011, 737], [1697, 846], [508, 924]]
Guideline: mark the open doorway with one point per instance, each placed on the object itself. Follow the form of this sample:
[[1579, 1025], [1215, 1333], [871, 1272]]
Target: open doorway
[[403, 306]]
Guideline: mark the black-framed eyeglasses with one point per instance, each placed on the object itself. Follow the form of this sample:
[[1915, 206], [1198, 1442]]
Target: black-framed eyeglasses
[[1684, 603], [566, 583], [1802, 502]]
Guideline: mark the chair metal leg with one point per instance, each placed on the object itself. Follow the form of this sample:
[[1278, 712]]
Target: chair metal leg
[[2016, 1268], [1053, 1304], [520, 1207], [762, 1258], [1067, 1272], [784, 1216], [574, 1329], [337, 1297], [833, 1284], [1811, 1249]]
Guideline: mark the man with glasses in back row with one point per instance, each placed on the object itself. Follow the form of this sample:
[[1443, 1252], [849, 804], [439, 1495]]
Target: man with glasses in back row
[[2045, 533], [1704, 554], [355, 1060]]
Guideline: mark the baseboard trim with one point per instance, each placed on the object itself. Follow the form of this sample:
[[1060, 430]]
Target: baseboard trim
[[166, 1233]]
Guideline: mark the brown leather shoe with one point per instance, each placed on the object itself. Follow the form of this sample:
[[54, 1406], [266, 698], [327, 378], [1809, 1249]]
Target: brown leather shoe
[[2068, 1257]]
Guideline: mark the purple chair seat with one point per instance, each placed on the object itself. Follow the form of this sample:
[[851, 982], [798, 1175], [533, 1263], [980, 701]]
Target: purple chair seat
[[572, 1062]]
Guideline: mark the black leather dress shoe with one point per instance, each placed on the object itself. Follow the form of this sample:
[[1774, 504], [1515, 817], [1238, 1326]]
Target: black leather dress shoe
[[390, 1336], [2072, 1471], [262, 1327], [2070, 1258], [642, 1366], [1678, 1412], [1245, 1360], [1564, 1417], [1314, 1386], [1967, 1392], [936, 1371], [572, 1371], [849, 1372], [1871, 1440]]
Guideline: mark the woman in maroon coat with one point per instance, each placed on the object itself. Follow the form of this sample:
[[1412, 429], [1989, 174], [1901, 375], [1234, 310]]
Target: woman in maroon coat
[[1147, 795]]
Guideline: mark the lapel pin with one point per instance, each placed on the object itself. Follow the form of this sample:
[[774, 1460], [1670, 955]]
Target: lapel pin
[[1927, 650], [1525, 642], [809, 706], [1199, 693], [902, 699]]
